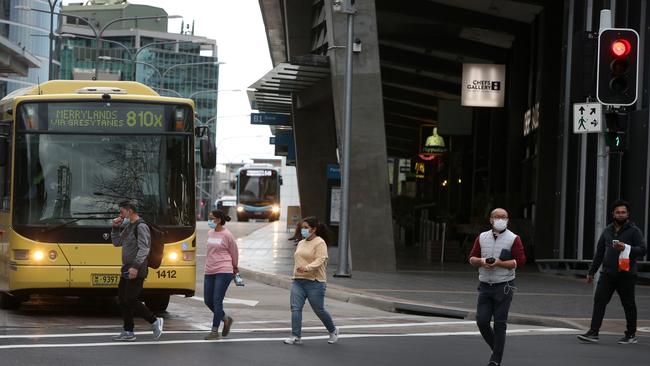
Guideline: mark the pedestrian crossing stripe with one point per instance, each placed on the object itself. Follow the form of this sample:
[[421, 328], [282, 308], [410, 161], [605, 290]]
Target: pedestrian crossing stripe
[[279, 339]]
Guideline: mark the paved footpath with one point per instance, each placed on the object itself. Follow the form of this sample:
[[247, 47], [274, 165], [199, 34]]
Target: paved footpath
[[450, 291]]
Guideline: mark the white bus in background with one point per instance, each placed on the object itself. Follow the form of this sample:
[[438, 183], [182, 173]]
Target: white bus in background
[[258, 192]]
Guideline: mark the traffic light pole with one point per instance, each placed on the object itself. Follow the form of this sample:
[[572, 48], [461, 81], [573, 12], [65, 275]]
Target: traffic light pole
[[602, 162], [583, 156]]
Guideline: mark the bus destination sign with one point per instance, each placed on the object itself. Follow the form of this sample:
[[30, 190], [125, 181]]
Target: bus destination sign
[[106, 117]]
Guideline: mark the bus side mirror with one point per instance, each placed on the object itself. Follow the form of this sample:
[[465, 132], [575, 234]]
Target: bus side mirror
[[208, 154], [4, 153]]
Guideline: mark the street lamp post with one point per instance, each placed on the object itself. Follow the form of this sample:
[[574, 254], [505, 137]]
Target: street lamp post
[[98, 34], [344, 234], [126, 48], [133, 57], [136, 18], [51, 56], [161, 74]]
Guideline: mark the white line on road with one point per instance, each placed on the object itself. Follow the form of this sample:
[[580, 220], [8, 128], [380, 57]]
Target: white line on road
[[278, 339], [337, 318], [247, 330], [228, 300]]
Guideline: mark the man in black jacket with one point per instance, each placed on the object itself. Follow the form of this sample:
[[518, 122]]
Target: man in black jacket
[[619, 236]]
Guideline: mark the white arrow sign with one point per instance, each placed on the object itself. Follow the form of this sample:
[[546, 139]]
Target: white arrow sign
[[587, 117]]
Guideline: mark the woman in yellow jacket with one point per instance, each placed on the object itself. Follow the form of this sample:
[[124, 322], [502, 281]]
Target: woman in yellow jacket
[[310, 279]]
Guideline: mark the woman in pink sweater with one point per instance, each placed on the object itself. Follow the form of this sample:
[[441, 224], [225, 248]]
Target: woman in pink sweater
[[220, 268]]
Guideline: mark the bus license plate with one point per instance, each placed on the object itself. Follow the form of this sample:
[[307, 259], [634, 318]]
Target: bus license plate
[[99, 279]]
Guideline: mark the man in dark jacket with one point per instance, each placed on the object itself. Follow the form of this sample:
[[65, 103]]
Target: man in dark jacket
[[135, 250], [619, 237]]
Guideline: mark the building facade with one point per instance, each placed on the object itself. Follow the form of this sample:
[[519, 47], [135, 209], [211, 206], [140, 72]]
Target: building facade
[[26, 35]]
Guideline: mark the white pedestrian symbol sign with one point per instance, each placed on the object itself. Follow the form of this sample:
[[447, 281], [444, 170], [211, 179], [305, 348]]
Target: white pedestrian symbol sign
[[587, 117]]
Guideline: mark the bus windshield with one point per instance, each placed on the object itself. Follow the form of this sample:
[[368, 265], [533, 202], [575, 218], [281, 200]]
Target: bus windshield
[[258, 187], [67, 176]]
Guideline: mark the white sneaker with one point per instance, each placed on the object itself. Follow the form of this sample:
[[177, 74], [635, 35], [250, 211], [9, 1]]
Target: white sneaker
[[125, 336], [293, 340], [157, 328], [334, 336]]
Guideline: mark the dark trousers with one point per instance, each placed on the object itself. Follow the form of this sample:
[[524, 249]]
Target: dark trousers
[[494, 302], [214, 291], [128, 292], [623, 283]]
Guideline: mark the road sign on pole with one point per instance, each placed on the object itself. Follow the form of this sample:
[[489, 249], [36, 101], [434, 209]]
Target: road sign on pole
[[273, 119], [587, 118]]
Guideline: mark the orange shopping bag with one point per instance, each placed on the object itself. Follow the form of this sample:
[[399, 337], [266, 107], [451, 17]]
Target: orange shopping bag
[[624, 259]]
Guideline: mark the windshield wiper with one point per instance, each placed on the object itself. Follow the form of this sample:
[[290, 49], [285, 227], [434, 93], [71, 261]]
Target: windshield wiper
[[63, 224]]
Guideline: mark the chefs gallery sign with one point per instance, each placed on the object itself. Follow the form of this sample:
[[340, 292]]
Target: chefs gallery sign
[[483, 85]]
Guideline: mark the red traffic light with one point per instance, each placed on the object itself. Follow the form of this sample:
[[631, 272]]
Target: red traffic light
[[621, 47]]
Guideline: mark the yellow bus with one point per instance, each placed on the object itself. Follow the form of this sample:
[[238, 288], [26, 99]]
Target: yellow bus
[[70, 151]]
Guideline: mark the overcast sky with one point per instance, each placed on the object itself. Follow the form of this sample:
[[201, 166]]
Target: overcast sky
[[238, 28]]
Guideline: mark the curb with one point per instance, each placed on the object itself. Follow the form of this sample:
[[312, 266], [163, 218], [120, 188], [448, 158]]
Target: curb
[[395, 305]]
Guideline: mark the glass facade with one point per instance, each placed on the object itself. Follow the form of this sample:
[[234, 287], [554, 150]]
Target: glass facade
[[28, 29]]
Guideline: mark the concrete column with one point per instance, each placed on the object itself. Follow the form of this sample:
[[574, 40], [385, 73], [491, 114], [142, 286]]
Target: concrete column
[[315, 138], [371, 230]]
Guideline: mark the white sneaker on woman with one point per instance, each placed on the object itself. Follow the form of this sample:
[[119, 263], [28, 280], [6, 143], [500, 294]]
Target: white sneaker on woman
[[293, 340], [334, 336]]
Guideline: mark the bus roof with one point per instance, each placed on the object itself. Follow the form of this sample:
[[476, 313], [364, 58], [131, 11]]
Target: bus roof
[[258, 166], [72, 86], [82, 89]]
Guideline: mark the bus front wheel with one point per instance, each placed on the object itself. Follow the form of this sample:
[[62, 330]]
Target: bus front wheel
[[156, 303], [8, 302]]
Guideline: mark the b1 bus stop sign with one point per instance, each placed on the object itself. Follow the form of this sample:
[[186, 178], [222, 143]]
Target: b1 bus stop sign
[[272, 119], [587, 118]]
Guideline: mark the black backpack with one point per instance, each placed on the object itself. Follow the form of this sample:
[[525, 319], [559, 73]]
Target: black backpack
[[157, 246]]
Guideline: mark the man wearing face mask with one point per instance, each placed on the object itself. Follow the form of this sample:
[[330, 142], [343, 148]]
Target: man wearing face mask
[[497, 253], [619, 247], [135, 250]]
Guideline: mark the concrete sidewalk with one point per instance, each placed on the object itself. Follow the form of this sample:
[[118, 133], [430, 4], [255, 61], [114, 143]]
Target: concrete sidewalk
[[542, 299]]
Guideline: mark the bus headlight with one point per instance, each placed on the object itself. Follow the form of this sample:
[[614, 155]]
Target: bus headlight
[[173, 256], [275, 209], [38, 255], [240, 209]]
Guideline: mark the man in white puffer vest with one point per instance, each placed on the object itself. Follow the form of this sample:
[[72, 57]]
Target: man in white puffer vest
[[497, 253]]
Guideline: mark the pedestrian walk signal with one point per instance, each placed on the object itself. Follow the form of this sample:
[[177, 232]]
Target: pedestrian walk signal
[[617, 70], [616, 136]]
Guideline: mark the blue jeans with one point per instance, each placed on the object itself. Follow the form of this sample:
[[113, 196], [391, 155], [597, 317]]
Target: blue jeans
[[494, 302], [214, 290], [313, 291]]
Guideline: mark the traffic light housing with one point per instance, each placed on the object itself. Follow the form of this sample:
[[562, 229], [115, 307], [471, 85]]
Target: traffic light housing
[[616, 135], [617, 71]]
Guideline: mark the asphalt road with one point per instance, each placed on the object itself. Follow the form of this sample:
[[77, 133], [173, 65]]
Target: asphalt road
[[72, 331]]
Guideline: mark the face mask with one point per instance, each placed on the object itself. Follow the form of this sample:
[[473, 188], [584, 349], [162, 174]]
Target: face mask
[[620, 221], [305, 233], [126, 221], [211, 224], [500, 224]]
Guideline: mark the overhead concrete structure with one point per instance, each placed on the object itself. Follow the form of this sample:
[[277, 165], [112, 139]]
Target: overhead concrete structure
[[15, 59], [408, 80]]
